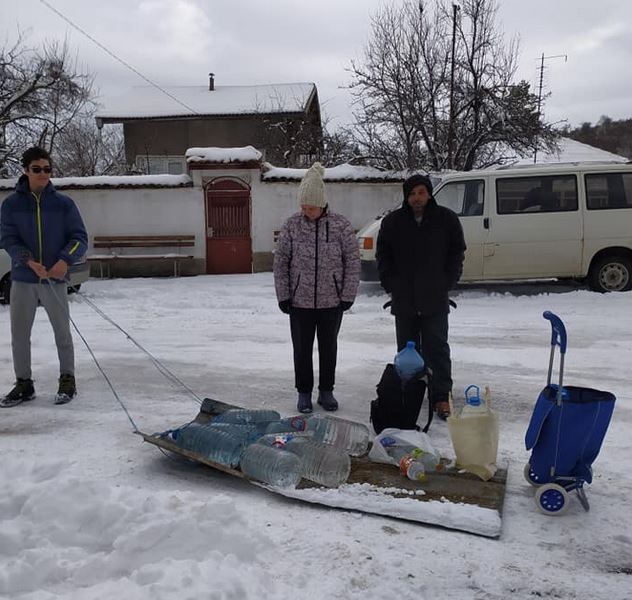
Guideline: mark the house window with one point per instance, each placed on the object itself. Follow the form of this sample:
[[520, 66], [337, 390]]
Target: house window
[[159, 164]]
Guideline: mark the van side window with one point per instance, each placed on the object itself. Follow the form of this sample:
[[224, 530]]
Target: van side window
[[551, 193], [465, 198], [608, 190]]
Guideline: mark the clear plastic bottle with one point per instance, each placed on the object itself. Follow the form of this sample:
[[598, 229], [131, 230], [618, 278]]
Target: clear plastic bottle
[[271, 465], [408, 362], [246, 415], [321, 463], [287, 424], [346, 436], [209, 442], [247, 433], [430, 460], [413, 469]]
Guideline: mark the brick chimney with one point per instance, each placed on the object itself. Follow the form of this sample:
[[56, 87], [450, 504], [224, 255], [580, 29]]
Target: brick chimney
[[211, 82]]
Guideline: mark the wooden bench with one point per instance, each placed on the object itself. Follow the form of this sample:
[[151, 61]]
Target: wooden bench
[[114, 243]]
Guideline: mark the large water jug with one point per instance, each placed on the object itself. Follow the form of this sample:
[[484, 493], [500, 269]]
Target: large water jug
[[347, 436], [321, 463], [474, 434], [408, 363], [248, 433], [271, 465], [210, 443], [245, 415], [287, 424]]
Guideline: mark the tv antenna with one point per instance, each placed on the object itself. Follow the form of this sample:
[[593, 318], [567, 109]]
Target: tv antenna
[[541, 68]]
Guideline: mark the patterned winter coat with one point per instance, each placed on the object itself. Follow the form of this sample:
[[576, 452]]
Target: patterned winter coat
[[317, 263]]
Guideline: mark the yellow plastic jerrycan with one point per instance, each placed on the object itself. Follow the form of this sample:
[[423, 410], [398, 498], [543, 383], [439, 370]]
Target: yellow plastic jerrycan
[[474, 433]]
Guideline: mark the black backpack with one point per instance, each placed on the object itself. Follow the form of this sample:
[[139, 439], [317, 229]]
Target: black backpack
[[397, 407]]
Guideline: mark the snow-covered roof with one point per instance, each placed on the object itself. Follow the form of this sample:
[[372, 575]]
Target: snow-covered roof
[[572, 151], [223, 155], [344, 172], [112, 181], [146, 102]]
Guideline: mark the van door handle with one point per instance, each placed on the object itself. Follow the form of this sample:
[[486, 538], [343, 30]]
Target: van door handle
[[486, 223]]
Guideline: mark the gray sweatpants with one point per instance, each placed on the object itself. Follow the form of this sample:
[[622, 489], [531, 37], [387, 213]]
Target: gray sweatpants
[[23, 304]]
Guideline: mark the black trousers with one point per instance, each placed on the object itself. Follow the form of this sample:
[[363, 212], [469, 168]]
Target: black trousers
[[324, 323], [430, 335]]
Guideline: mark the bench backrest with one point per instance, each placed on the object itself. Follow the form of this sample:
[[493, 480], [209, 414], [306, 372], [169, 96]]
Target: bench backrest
[[143, 241]]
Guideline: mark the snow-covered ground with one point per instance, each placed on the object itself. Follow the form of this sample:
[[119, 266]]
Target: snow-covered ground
[[89, 511]]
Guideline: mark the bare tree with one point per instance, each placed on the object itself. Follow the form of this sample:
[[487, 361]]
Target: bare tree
[[418, 104], [83, 150], [41, 92]]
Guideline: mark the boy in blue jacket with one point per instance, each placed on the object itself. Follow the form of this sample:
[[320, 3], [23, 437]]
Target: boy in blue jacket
[[44, 234]]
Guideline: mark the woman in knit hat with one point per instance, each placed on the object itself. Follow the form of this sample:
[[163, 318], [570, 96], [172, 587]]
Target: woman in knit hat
[[316, 276]]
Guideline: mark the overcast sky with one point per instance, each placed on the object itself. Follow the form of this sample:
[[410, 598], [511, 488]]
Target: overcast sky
[[177, 42]]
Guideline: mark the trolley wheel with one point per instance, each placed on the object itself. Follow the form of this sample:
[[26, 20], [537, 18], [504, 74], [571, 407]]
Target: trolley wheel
[[552, 499], [530, 476]]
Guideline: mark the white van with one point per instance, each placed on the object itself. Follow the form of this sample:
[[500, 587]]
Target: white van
[[540, 221], [79, 273]]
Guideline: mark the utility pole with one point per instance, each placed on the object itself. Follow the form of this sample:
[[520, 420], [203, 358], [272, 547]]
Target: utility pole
[[455, 10], [542, 59]]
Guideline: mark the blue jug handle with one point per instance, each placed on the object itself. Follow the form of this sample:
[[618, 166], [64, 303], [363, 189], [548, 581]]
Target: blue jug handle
[[478, 393]]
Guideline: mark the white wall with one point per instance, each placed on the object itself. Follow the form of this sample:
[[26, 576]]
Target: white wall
[[141, 211], [180, 210], [274, 202]]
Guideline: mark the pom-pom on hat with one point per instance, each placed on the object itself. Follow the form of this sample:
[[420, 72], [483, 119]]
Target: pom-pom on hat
[[311, 192], [414, 181]]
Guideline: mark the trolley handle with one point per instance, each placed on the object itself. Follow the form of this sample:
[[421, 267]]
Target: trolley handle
[[558, 333]]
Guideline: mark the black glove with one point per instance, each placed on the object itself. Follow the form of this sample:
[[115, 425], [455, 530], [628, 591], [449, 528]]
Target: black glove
[[345, 305], [285, 306]]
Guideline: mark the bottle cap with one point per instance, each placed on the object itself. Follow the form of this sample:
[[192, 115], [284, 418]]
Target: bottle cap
[[475, 398]]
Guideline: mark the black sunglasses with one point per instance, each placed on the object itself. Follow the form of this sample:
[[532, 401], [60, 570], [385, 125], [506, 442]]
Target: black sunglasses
[[37, 169]]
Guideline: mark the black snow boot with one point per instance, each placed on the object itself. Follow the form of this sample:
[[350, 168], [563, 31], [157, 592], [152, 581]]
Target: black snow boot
[[67, 389], [22, 391]]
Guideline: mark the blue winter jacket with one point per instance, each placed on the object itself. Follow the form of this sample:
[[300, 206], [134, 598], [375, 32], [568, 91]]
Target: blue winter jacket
[[44, 228]]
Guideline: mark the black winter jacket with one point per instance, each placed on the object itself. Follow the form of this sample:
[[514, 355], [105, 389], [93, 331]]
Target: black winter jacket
[[418, 264]]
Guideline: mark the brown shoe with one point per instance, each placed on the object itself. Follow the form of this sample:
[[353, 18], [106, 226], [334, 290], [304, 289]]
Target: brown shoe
[[442, 409]]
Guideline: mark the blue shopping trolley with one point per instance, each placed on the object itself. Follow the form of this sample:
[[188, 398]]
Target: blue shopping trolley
[[565, 434]]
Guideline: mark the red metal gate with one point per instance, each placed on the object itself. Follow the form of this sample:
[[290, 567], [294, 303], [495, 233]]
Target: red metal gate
[[228, 243]]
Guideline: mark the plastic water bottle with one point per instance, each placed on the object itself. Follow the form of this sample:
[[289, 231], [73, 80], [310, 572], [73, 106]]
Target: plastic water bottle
[[347, 436], [321, 463], [474, 407], [408, 362], [209, 442], [413, 469], [245, 415], [431, 461], [287, 424], [271, 465], [247, 433]]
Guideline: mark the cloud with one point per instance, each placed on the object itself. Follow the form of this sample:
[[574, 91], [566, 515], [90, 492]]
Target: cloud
[[177, 30]]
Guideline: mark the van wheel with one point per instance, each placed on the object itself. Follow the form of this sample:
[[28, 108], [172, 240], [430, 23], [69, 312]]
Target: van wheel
[[611, 274]]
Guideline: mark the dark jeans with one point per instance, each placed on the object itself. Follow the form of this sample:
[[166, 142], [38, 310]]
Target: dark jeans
[[305, 323], [430, 335]]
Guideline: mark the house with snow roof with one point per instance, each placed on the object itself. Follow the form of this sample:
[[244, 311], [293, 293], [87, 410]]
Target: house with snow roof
[[160, 124]]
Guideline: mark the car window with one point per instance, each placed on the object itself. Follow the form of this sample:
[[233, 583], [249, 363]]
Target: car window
[[465, 198], [608, 190], [545, 194]]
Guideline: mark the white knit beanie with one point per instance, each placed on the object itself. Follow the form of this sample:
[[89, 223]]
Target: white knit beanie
[[311, 192]]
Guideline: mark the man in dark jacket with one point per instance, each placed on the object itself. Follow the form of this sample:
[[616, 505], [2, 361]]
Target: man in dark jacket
[[420, 251], [44, 234]]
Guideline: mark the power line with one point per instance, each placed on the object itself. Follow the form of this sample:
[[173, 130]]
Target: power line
[[115, 57]]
